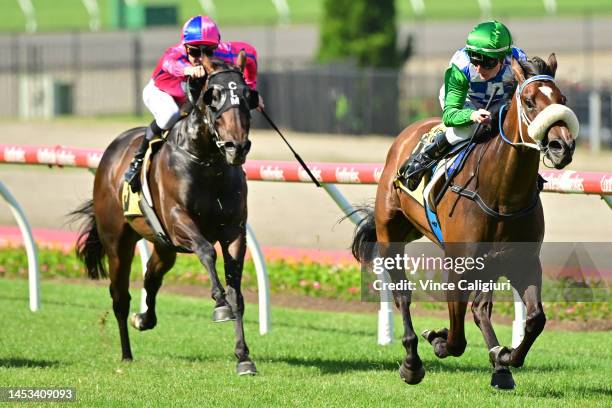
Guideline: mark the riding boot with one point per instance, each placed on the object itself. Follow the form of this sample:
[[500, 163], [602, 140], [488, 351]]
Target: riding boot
[[133, 172], [413, 169]]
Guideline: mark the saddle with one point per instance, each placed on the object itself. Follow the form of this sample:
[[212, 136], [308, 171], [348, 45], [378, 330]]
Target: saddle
[[448, 166], [140, 204]]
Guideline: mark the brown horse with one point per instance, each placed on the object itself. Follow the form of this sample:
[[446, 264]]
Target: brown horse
[[199, 192], [504, 174]]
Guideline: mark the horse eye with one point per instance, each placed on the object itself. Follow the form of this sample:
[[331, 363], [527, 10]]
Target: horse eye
[[563, 100], [529, 103]]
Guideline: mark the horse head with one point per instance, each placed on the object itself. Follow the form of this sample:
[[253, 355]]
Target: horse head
[[224, 108], [551, 126]]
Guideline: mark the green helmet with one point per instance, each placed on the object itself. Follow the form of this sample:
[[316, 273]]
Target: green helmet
[[490, 38]]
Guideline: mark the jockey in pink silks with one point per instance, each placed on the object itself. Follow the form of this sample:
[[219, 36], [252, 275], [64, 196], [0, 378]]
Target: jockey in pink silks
[[166, 90]]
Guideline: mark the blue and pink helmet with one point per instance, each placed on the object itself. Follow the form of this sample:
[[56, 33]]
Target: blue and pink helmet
[[201, 30]]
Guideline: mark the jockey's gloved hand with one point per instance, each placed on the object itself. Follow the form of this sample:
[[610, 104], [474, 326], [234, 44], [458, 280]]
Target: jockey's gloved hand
[[481, 116], [196, 71]]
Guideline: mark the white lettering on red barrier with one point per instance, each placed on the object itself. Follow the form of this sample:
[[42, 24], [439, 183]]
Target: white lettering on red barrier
[[606, 184], [46, 155], [303, 175], [377, 173], [14, 155], [93, 160], [66, 158], [347, 175], [271, 173], [565, 181]]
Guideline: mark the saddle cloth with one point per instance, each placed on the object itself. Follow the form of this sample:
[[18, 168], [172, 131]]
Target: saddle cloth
[[131, 199], [444, 169]]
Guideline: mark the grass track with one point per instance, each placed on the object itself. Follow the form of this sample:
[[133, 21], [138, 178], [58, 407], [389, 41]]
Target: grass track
[[309, 359]]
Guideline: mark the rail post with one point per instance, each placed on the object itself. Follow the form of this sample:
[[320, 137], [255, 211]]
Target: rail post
[[30, 247]]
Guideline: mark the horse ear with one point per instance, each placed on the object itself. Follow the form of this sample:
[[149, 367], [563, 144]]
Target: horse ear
[[207, 64], [241, 60], [552, 64], [518, 71]]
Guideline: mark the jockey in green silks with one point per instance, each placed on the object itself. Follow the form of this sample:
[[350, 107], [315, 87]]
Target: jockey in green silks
[[474, 72]]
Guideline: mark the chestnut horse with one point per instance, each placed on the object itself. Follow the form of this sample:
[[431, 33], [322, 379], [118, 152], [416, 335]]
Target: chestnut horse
[[503, 171], [199, 191]]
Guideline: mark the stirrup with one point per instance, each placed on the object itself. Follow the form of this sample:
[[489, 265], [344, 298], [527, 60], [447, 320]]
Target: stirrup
[[411, 173], [132, 173], [411, 181]]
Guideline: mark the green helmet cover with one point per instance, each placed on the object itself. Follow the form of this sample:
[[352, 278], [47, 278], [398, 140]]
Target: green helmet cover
[[490, 38]]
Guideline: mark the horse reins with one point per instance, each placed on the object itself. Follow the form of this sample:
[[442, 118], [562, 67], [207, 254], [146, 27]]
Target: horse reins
[[297, 156], [463, 191]]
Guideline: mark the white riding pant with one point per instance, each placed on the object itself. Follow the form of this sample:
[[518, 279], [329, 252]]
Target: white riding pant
[[163, 107]]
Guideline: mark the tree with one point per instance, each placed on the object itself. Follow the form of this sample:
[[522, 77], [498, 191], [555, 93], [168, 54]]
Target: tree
[[360, 29]]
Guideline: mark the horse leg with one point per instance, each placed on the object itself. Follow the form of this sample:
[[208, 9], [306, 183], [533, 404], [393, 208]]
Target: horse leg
[[234, 248], [482, 307], [391, 231], [159, 263], [189, 236], [119, 264], [531, 294]]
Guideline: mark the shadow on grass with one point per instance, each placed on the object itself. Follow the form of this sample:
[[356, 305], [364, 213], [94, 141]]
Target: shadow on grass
[[547, 392], [26, 363], [337, 366]]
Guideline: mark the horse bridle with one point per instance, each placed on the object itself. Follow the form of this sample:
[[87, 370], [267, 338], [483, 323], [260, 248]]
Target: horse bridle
[[522, 116], [237, 100], [538, 127]]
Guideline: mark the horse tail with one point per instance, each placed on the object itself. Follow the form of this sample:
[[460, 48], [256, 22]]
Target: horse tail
[[364, 239], [89, 249]]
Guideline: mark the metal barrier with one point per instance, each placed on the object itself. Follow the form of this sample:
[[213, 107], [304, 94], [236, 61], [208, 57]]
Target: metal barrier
[[329, 174]]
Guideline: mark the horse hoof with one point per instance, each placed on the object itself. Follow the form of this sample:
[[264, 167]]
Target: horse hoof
[[136, 321], [503, 380], [500, 355], [246, 368], [223, 314], [411, 377], [428, 335], [431, 335]]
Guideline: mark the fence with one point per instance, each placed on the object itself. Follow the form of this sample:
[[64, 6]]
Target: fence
[[329, 174], [103, 74]]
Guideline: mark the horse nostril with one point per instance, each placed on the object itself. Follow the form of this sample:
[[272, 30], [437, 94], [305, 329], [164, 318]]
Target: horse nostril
[[247, 146], [556, 146]]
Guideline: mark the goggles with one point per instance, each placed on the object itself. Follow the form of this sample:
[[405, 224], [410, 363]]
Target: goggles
[[482, 60], [197, 52]]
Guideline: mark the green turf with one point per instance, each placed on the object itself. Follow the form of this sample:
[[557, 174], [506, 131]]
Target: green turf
[[309, 359], [55, 15]]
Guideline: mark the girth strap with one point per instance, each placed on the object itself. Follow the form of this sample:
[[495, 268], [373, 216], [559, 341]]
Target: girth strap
[[474, 196]]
